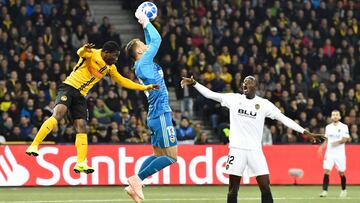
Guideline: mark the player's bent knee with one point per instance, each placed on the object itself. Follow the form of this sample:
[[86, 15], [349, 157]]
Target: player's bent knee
[[59, 112]]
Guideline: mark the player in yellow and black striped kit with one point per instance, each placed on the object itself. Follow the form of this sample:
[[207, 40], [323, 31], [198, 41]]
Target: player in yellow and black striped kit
[[92, 66]]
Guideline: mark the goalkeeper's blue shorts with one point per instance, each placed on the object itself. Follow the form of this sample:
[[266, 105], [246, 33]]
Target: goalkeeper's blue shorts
[[163, 132]]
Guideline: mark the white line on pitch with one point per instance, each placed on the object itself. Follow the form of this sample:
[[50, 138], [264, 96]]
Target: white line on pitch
[[172, 199]]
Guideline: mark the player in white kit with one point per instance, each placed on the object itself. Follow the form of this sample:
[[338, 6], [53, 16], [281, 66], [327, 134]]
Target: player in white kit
[[337, 134], [247, 117]]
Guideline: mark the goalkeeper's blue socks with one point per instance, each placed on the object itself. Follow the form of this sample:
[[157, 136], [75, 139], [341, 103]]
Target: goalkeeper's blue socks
[[158, 163], [147, 162]]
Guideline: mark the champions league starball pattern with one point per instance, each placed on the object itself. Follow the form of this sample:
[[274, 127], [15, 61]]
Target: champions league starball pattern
[[149, 9]]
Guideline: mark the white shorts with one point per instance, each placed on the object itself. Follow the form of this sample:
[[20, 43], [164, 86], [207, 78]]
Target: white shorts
[[252, 160], [339, 161]]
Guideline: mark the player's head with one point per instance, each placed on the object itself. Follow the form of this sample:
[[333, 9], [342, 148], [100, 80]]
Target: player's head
[[335, 116], [135, 48], [110, 52], [249, 86]]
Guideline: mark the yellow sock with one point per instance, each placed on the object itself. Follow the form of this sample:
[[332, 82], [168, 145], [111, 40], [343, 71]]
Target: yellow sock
[[81, 144], [45, 129]]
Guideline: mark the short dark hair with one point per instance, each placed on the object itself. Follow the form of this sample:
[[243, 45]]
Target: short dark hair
[[251, 77], [130, 48], [111, 46]]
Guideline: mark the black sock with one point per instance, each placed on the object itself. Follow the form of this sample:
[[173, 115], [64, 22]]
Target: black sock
[[326, 182], [266, 197], [232, 198], [343, 182]]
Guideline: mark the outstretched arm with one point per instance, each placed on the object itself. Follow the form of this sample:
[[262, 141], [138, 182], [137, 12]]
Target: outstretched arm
[[289, 122], [293, 125], [202, 89], [129, 84], [152, 36]]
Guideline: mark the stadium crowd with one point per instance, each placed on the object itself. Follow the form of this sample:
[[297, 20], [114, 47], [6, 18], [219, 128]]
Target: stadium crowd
[[302, 52]]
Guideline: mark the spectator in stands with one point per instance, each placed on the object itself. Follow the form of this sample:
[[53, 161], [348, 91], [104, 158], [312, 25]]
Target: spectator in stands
[[145, 137], [31, 136], [354, 132], [124, 117], [102, 112], [102, 135], [5, 103], [25, 128], [185, 96], [112, 101], [28, 110], [69, 135], [289, 137], [6, 126], [15, 135], [38, 118], [79, 37], [202, 139], [185, 133]]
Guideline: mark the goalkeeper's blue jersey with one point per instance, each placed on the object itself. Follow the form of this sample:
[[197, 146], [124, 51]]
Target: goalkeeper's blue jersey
[[149, 72]]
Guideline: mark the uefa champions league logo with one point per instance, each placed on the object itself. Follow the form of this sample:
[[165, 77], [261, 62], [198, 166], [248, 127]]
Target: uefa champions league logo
[[12, 173]]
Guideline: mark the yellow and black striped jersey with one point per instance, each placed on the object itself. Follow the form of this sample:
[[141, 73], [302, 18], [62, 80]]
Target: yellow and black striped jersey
[[91, 68]]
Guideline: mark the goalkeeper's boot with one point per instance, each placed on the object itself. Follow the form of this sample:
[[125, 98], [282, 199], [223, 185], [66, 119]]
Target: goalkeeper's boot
[[82, 167], [32, 150], [324, 193], [132, 194], [135, 183]]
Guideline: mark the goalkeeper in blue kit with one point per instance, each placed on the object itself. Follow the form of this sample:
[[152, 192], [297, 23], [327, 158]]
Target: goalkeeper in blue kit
[[159, 121]]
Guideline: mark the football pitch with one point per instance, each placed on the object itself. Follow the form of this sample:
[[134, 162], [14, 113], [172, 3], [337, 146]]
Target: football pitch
[[173, 194]]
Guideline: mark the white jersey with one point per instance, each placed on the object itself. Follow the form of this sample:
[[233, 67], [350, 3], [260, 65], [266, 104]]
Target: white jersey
[[247, 117], [335, 133]]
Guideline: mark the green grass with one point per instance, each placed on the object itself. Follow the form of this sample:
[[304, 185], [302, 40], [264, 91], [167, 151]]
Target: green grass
[[173, 194]]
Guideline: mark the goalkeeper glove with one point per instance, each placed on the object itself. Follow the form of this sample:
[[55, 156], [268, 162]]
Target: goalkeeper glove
[[142, 18]]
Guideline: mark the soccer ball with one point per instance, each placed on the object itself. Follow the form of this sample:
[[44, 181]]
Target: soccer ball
[[149, 8]]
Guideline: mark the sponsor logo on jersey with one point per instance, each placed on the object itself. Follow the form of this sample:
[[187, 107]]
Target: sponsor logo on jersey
[[247, 113], [86, 84]]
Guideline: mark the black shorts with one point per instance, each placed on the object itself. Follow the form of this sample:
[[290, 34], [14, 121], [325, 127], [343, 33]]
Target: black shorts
[[72, 98]]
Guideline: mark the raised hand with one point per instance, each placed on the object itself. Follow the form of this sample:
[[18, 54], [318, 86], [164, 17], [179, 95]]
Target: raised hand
[[187, 81], [142, 18], [88, 46]]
